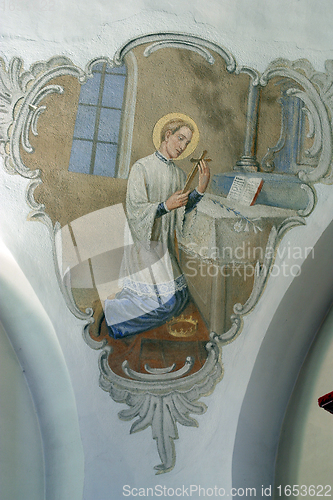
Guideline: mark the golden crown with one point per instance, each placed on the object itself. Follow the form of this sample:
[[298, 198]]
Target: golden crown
[[188, 328]]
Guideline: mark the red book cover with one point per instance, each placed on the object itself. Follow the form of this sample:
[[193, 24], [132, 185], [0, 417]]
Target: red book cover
[[326, 402]]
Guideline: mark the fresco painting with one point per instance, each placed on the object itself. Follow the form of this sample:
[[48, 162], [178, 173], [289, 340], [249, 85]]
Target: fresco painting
[[162, 271]]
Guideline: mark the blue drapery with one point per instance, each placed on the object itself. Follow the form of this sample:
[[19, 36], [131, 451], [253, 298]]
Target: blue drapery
[[156, 312]]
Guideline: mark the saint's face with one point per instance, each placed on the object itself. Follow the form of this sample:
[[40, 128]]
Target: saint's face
[[176, 143]]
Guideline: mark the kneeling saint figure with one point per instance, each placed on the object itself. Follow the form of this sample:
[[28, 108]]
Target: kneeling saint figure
[[154, 288]]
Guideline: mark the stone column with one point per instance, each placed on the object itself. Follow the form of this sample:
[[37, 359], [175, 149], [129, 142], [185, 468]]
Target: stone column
[[248, 161]]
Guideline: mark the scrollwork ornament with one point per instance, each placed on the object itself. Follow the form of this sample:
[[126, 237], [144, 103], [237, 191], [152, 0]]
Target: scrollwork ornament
[[179, 40], [159, 398], [164, 401], [315, 90]]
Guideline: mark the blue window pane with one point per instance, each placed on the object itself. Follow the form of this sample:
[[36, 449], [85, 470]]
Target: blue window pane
[[109, 124], [117, 70], [85, 122], [105, 161], [80, 156], [113, 91], [92, 113], [98, 67], [90, 90]]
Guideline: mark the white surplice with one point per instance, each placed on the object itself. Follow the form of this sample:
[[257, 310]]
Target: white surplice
[[150, 270]]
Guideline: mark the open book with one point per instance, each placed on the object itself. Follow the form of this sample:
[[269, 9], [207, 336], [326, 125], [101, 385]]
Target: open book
[[245, 190]]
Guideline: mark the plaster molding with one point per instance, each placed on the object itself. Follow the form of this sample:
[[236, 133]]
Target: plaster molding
[[314, 89], [162, 403], [166, 398], [21, 93], [253, 74], [179, 40], [180, 45], [311, 200]]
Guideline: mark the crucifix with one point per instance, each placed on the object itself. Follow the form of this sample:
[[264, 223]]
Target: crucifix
[[193, 172]]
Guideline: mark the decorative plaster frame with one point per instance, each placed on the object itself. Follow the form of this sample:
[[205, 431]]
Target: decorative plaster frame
[[161, 398], [315, 90]]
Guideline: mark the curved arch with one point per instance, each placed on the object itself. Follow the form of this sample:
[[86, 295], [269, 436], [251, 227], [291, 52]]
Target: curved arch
[[305, 448], [288, 338], [21, 451], [181, 40], [34, 340]]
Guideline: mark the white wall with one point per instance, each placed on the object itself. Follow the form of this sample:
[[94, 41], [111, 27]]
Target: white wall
[[41, 449], [255, 32], [305, 450], [21, 451]]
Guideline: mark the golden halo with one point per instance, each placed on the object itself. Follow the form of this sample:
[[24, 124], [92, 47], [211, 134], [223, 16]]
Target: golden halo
[[174, 116]]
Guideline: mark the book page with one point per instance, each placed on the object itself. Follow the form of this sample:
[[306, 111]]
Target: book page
[[237, 188], [244, 189]]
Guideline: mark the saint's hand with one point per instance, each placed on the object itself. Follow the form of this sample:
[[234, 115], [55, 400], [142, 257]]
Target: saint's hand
[[177, 199], [204, 176]]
